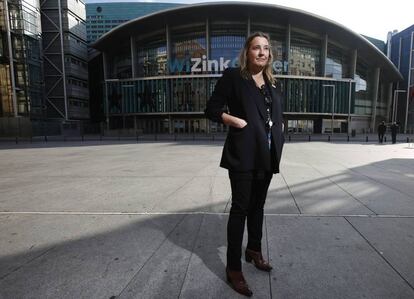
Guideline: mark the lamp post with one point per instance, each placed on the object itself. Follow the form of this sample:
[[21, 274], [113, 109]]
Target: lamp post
[[395, 104], [333, 102]]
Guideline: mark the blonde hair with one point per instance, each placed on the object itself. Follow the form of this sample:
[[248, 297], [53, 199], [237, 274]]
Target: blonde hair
[[267, 71]]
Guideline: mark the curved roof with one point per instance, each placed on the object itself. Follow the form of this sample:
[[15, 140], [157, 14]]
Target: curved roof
[[263, 13]]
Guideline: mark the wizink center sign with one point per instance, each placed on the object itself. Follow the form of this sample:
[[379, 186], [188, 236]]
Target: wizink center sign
[[204, 65]]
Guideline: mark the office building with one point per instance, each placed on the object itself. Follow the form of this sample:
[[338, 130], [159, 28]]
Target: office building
[[401, 52]]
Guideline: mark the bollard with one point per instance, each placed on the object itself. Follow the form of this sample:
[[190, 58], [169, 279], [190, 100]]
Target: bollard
[[329, 137], [289, 138], [309, 138], [348, 138], [408, 140], [366, 139], [136, 134], [385, 139], [45, 138]]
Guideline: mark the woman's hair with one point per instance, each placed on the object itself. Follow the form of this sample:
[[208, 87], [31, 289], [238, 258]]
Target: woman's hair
[[243, 58]]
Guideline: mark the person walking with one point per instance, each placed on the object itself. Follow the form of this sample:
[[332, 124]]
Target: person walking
[[381, 131], [252, 150], [394, 130]]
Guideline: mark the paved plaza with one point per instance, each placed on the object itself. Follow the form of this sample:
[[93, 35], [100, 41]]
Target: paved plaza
[[148, 220]]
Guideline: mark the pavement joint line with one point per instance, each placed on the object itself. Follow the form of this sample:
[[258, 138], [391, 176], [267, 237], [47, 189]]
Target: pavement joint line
[[380, 254], [27, 262], [291, 194], [197, 213], [328, 177], [268, 257], [173, 192], [150, 257], [191, 255]]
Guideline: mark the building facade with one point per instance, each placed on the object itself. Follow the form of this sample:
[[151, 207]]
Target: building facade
[[20, 65], [401, 52], [164, 68], [102, 17], [65, 60]]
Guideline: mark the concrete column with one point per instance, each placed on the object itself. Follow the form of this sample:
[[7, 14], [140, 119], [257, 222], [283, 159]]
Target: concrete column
[[375, 97], [133, 57], [168, 39], [248, 26], [208, 38], [288, 47], [354, 58], [324, 55]]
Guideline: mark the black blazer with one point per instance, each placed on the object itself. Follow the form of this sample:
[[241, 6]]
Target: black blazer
[[247, 149]]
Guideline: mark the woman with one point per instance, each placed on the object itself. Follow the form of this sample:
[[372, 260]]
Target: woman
[[252, 150]]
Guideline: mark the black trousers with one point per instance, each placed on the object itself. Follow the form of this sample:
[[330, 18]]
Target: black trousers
[[249, 191], [380, 137]]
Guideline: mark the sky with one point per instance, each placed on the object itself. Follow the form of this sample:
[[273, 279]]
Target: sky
[[370, 18]]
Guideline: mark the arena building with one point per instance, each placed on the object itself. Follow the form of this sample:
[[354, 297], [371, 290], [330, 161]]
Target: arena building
[[155, 73]]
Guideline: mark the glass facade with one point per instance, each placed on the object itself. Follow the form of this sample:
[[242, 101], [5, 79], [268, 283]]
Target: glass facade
[[305, 55], [102, 17], [177, 67], [338, 63], [25, 30], [187, 44], [226, 41], [152, 57], [363, 90]]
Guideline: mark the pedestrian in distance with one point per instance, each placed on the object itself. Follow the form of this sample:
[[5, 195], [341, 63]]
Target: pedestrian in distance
[[394, 131], [381, 131], [252, 150]]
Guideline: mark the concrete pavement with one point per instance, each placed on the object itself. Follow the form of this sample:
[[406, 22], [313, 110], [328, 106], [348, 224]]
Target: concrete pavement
[[147, 220]]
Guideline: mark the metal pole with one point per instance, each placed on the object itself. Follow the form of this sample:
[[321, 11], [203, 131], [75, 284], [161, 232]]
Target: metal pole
[[349, 106], [11, 57], [408, 83]]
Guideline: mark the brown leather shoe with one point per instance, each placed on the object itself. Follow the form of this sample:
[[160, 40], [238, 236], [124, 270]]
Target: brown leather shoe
[[238, 283], [259, 262]]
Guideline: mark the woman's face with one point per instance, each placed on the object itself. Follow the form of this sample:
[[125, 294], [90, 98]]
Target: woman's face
[[258, 53]]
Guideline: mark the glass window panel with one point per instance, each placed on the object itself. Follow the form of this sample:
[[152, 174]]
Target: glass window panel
[[152, 57], [226, 41], [120, 62], [186, 46], [363, 79], [305, 55]]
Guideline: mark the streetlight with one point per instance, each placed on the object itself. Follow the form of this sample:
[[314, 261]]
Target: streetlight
[[333, 102], [395, 104]]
